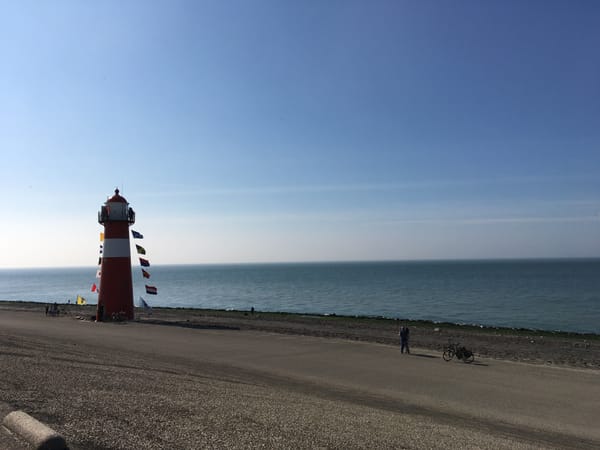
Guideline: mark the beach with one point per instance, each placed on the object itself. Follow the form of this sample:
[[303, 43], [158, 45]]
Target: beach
[[180, 378]]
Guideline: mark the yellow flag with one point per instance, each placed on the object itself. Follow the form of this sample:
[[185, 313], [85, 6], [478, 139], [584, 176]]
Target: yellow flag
[[80, 300]]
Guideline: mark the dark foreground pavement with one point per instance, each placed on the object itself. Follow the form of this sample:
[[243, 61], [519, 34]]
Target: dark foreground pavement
[[135, 385]]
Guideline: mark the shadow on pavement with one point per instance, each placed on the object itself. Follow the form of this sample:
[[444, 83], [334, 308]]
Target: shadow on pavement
[[423, 355], [191, 325]]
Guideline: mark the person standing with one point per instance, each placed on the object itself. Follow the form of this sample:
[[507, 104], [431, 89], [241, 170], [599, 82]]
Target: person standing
[[404, 335]]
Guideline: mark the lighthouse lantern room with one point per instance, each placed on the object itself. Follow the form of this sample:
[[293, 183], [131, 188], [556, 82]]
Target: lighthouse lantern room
[[115, 299]]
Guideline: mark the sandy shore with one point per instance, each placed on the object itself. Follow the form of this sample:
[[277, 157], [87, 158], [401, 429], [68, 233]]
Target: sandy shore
[[231, 380]]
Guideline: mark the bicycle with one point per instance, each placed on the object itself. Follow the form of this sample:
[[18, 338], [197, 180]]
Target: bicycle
[[460, 351]]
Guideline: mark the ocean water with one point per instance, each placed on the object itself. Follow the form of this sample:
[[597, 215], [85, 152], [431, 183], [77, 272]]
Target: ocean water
[[541, 294]]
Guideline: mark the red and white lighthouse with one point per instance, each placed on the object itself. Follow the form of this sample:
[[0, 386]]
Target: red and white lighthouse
[[115, 299]]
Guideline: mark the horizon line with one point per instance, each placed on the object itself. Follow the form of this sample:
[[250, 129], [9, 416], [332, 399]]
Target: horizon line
[[349, 261]]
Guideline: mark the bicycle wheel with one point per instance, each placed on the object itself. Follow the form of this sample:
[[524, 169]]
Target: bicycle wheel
[[448, 354], [469, 358]]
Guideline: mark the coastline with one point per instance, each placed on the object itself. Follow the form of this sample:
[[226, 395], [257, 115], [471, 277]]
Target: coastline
[[542, 347], [534, 294]]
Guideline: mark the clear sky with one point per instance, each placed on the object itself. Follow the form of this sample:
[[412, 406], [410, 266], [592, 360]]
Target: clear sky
[[251, 131]]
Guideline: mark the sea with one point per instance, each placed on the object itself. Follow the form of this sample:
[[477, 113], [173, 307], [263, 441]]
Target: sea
[[553, 295]]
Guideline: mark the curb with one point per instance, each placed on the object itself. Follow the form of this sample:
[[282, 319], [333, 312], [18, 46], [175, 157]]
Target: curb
[[34, 432]]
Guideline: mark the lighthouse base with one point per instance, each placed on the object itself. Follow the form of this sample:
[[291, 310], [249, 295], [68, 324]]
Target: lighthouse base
[[115, 301]]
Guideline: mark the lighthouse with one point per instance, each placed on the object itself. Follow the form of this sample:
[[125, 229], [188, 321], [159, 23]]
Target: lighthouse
[[115, 300]]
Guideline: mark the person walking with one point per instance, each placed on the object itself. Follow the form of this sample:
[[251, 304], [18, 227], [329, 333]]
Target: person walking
[[404, 335]]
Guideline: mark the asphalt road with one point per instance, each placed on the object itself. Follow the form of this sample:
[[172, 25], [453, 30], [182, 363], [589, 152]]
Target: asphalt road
[[534, 405]]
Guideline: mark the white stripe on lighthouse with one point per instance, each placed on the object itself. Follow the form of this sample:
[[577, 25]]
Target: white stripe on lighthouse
[[116, 248]]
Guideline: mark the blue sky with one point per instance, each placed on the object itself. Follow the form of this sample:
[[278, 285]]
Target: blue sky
[[301, 131]]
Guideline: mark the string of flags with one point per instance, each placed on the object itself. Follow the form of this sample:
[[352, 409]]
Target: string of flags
[[95, 287], [151, 290]]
